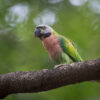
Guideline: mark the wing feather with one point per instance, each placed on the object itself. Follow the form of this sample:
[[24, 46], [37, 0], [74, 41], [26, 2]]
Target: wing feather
[[68, 48]]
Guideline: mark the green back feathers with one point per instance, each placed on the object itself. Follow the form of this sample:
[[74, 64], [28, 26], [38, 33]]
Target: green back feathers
[[69, 48], [55, 33]]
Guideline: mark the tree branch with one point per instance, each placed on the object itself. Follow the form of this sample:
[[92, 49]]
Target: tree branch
[[37, 81]]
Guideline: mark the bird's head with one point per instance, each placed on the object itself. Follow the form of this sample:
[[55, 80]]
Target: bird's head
[[43, 31]]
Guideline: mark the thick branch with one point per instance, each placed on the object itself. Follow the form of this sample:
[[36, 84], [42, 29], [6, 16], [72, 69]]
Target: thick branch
[[37, 81]]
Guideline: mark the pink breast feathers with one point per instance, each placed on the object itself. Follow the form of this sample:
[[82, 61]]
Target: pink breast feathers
[[52, 46]]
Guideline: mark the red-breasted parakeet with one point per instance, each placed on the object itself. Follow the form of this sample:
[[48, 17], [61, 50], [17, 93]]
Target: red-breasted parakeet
[[60, 49]]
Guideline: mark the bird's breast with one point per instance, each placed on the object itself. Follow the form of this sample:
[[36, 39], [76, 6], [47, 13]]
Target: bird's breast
[[52, 45]]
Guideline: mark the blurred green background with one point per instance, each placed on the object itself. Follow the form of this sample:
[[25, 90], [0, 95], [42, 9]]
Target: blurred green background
[[79, 20]]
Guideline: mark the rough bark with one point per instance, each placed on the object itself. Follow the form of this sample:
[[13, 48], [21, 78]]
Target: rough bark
[[46, 79]]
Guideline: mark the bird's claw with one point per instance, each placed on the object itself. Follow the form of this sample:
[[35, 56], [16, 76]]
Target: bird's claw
[[57, 66]]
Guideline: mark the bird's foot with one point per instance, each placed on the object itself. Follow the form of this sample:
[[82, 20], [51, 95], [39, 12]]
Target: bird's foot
[[57, 66]]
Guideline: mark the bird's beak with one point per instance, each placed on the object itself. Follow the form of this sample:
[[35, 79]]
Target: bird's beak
[[37, 32]]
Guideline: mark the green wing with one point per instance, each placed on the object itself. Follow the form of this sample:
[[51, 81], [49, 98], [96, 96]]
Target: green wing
[[68, 48]]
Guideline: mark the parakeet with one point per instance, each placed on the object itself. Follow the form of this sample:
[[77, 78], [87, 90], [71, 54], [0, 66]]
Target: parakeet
[[60, 49]]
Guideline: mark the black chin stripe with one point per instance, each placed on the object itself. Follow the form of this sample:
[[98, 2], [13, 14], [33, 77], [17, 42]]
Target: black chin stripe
[[47, 35]]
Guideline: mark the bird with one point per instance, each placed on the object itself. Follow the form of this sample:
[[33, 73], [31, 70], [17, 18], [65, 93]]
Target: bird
[[61, 49]]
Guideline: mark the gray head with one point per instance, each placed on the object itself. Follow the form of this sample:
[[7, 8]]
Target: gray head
[[43, 31]]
